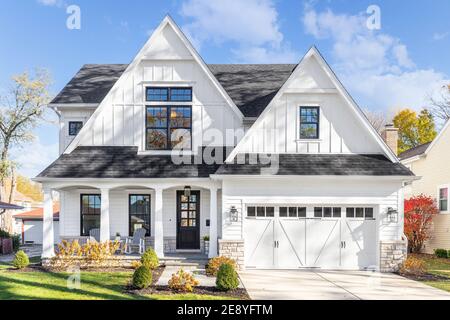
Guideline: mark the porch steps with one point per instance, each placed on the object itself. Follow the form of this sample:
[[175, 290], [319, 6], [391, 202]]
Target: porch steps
[[185, 260]]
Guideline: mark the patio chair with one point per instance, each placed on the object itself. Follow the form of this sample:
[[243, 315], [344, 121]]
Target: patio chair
[[137, 240], [94, 235]]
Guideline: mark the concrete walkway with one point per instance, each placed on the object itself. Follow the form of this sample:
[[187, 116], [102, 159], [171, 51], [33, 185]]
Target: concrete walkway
[[335, 285]]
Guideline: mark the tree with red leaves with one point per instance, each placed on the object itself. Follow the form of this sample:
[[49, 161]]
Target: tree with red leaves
[[419, 212]]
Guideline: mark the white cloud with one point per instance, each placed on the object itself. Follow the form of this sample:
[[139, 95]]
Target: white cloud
[[34, 157], [251, 27], [375, 66], [52, 3], [440, 36]]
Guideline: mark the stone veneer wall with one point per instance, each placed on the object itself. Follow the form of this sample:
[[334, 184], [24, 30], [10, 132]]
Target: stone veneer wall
[[233, 249], [392, 255]]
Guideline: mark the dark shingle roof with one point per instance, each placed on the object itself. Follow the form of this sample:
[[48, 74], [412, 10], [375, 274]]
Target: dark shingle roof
[[416, 151], [323, 165], [250, 86], [124, 162], [91, 84]]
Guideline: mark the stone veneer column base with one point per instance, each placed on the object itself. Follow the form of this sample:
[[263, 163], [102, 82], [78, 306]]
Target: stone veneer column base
[[392, 255], [233, 249]]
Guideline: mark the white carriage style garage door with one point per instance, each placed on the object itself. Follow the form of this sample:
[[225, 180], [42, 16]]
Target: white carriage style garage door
[[291, 237]]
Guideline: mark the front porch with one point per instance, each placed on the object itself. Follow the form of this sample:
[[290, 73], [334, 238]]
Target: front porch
[[177, 215]]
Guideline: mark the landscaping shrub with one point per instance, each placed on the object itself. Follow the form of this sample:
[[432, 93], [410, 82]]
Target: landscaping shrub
[[441, 253], [227, 278], [183, 282], [142, 277], [214, 264], [136, 264], [413, 266], [21, 260], [150, 259]]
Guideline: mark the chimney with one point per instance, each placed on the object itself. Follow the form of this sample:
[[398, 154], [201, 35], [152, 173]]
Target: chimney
[[390, 136]]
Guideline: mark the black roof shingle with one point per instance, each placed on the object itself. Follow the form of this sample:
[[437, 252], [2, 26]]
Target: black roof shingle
[[250, 86], [124, 162], [416, 151]]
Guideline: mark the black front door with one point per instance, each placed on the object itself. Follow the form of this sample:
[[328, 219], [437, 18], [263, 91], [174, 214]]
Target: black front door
[[188, 220]]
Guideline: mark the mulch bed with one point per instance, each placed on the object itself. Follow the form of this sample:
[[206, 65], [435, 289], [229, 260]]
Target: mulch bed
[[238, 293], [425, 277]]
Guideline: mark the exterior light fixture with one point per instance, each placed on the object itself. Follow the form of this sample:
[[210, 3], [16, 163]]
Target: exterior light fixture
[[187, 191], [233, 214], [392, 215]]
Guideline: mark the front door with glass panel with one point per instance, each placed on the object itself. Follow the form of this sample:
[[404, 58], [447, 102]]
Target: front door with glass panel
[[188, 220]]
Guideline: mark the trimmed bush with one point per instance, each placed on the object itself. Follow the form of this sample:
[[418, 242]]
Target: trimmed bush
[[142, 277], [21, 260], [441, 253], [149, 259], [214, 264], [227, 278]]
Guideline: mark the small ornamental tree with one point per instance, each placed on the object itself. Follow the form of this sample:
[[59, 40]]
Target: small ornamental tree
[[419, 212]]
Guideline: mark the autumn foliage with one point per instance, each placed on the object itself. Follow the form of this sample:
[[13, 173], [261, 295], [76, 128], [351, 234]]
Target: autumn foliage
[[419, 212]]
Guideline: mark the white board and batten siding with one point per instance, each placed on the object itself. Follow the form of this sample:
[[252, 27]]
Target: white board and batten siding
[[166, 63], [341, 132]]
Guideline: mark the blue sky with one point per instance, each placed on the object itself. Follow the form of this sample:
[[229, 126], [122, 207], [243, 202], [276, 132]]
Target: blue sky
[[397, 66]]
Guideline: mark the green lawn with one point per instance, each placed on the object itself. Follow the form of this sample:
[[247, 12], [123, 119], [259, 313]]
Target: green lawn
[[438, 267], [93, 286]]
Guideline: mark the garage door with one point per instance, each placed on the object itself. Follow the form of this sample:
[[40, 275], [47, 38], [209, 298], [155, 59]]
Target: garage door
[[32, 231], [291, 237]]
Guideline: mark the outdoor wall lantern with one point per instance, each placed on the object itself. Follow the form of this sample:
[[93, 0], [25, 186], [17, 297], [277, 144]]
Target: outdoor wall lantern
[[392, 215], [187, 191], [233, 214]]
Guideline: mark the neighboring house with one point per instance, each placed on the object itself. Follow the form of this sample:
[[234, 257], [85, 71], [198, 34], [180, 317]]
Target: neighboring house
[[135, 141], [431, 162], [30, 225]]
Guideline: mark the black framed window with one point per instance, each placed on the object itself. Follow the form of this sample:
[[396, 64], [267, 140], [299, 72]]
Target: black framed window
[[327, 212], [360, 213], [260, 212], [443, 199], [293, 212], [75, 127], [90, 213], [156, 94], [139, 211], [169, 127], [309, 122]]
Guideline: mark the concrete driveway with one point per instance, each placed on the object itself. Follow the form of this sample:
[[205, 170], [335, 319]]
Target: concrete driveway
[[335, 285]]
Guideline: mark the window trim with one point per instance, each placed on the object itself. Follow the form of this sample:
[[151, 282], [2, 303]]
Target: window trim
[[317, 137], [364, 207], [169, 90], [439, 188], [81, 210], [149, 212], [168, 128], [73, 122]]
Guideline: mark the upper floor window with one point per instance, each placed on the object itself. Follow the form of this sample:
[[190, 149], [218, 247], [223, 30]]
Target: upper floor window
[[169, 127], [309, 122], [443, 199], [75, 127], [169, 94]]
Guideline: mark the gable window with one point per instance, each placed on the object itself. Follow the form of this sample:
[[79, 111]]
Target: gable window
[[443, 199], [90, 213], [309, 122], [139, 211], [169, 94], [75, 127], [169, 127]]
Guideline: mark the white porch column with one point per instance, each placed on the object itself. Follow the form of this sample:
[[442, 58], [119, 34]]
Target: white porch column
[[48, 249], [104, 216], [213, 223], [159, 232]]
